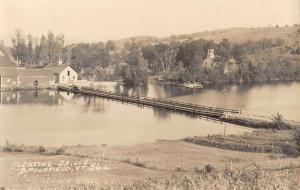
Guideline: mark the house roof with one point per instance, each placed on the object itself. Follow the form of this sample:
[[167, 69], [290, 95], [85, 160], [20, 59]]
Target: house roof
[[121, 64], [7, 68], [57, 68], [232, 60], [5, 61], [35, 72]]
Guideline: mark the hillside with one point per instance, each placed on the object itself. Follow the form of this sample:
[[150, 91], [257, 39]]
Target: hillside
[[240, 35], [143, 39], [237, 35]]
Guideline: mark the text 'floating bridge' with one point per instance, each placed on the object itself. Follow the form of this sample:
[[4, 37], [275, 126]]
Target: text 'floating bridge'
[[207, 112]]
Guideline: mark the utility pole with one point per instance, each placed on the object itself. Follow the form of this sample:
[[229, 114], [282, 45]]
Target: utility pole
[[224, 100], [241, 66], [297, 40]]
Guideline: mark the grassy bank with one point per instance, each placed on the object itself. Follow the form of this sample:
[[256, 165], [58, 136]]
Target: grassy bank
[[159, 165], [227, 179], [263, 141]]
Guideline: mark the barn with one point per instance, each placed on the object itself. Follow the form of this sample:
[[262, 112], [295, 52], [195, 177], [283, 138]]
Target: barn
[[12, 76], [28, 78]]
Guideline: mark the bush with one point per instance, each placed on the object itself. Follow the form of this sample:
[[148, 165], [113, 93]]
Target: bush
[[198, 169], [60, 151], [139, 164], [290, 150], [41, 149], [209, 168], [12, 148], [136, 163], [7, 149], [279, 123], [297, 139]]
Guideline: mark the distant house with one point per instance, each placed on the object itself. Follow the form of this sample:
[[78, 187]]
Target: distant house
[[122, 64], [231, 66], [208, 62], [110, 70], [63, 73]]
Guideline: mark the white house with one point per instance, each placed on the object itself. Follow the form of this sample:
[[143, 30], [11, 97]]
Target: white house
[[63, 74]]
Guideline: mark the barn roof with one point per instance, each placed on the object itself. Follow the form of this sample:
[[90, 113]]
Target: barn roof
[[5, 61], [35, 72], [7, 68], [57, 68]]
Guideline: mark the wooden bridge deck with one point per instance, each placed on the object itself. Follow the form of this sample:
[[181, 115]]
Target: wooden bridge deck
[[208, 112]]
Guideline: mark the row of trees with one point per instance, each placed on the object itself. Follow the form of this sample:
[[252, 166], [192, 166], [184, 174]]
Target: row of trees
[[177, 61], [180, 61], [48, 49], [91, 55]]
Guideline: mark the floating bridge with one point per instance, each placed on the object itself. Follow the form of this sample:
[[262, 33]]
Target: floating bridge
[[207, 112]]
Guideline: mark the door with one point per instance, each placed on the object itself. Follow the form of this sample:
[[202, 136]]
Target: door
[[56, 78]]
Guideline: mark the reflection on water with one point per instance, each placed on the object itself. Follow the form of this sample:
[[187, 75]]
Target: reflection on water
[[57, 118], [261, 99], [151, 90]]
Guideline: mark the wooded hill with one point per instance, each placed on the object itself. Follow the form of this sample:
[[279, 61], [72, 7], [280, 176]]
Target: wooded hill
[[261, 54]]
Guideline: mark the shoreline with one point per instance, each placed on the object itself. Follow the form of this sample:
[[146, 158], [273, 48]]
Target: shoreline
[[205, 85]]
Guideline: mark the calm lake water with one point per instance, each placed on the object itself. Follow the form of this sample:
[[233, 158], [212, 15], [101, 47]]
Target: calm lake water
[[60, 118]]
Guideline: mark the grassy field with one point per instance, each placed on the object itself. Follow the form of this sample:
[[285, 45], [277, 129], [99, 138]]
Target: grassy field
[[158, 165]]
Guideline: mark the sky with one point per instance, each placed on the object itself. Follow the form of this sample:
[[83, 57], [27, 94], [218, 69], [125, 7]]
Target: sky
[[102, 20]]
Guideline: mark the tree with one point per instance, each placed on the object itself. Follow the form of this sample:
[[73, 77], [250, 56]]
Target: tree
[[110, 46], [150, 55], [43, 50], [30, 53], [166, 55], [51, 46], [66, 55], [136, 72], [19, 47], [59, 44], [238, 52], [223, 50], [297, 140]]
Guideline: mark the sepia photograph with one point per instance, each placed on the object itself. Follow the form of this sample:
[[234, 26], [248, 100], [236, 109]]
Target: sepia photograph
[[149, 94]]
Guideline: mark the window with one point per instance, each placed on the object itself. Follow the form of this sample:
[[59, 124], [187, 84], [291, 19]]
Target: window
[[68, 73], [73, 77]]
